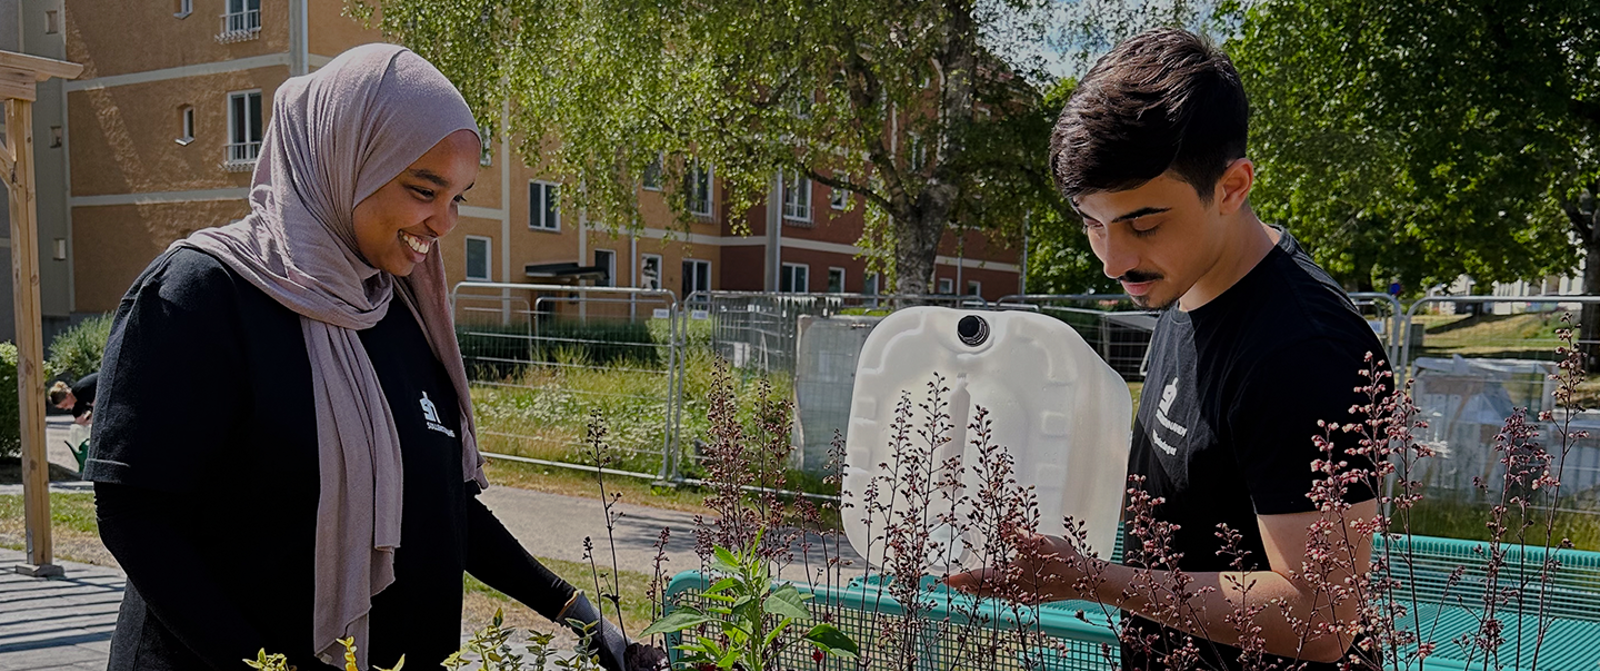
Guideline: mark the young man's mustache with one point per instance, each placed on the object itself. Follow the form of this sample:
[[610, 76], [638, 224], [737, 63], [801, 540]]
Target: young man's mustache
[[1137, 276]]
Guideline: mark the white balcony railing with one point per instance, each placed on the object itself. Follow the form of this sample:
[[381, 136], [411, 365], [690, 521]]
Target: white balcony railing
[[240, 26], [242, 156]]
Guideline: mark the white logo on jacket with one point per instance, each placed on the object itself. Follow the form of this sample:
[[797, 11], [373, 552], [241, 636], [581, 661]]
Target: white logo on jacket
[[430, 414]]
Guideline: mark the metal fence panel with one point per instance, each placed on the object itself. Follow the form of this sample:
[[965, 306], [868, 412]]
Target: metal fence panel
[[1473, 360], [542, 359], [804, 344]]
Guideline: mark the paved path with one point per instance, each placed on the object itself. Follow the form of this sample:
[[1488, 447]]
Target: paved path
[[58, 624]]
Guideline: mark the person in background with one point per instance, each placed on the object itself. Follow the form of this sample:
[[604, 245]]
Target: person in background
[[77, 398], [329, 488]]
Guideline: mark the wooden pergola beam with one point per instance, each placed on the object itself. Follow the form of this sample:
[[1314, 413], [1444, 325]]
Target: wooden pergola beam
[[19, 75]]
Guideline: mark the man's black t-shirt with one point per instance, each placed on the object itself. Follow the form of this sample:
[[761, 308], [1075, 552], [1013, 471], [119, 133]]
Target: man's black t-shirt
[[1228, 416], [205, 440]]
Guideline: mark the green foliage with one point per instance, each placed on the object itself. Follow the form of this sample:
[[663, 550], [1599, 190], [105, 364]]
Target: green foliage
[[549, 407], [504, 350], [840, 90], [10, 414], [1421, 141], [748, 616], [490, 648], [1059, 258], [78, 350], [69, 512]]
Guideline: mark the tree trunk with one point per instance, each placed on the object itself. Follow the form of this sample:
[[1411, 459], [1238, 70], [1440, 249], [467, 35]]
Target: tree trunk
[[916, 250], [1584, 216], [1589, 322], [917, 234]]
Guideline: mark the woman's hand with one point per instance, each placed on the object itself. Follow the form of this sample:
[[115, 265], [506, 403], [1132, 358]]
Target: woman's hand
[[604, 639], [1046, 569]]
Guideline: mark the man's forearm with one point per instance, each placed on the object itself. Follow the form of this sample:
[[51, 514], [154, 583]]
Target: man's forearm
[[1209, 599]]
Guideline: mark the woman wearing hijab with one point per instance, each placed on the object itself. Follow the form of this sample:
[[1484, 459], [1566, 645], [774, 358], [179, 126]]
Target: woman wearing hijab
[[329, 489]]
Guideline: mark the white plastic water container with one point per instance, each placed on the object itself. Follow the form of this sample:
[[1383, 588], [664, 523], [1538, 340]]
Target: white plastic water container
[[1060, 411]]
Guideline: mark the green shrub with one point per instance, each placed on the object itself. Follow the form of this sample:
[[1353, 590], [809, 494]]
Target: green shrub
[[497, 351], [10, 415], [599, 343], [696, 332], [78, 350]]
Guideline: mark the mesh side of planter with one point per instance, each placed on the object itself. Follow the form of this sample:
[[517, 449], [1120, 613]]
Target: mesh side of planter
[[1556, 623]]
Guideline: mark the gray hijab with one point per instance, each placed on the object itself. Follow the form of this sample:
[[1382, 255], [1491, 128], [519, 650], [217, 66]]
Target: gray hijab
[[336, 136]]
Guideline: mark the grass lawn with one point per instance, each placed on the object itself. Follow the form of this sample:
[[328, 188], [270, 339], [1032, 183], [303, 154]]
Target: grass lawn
[[75, 535], [544, 412], [572, 482], [1523, 336], [1462, 519]]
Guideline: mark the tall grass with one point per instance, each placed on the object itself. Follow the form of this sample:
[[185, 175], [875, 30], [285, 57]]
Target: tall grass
[[542, 410], [1449, 516]]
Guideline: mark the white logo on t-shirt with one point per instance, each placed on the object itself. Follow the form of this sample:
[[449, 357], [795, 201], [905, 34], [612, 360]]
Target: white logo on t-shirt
[[1168, 395], [430, 414]]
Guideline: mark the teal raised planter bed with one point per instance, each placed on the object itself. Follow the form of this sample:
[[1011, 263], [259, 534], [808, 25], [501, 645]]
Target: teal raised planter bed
[[1446, 609]]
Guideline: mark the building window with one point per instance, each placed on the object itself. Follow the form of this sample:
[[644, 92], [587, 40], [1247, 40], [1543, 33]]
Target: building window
[[244, 129], [796, 196], [544, 206], [872, 284], [52, 22], [974, 288], [696, 277], [606, 260], [185, 125], [947, 286], [835, 280], [794, 278], [185, 8], [650, 271], [242, 22], [800, 104], [838, 198], [651, 180], [487, 157], [916, 153], [57, 136], [478, 255], [700, 190]]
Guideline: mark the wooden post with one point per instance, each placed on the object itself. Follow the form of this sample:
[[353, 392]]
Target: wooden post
[[19, 74], [30, 337]]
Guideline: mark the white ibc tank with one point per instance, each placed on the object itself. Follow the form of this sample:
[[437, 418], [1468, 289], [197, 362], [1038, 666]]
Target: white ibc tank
[[1059, 410]]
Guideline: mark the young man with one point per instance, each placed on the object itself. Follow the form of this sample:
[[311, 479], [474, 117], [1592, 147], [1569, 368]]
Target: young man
[[1255, 344]]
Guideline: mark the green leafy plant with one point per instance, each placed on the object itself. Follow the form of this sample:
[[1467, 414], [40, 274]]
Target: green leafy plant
[[490, 648], [10, 416], [78, 350], [751, 615], [279, 662]]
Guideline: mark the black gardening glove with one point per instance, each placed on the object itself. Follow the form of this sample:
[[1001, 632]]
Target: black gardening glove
[[605, 639]]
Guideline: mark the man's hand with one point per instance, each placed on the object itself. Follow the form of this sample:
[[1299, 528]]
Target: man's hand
[[84, 419], [1046, 569]]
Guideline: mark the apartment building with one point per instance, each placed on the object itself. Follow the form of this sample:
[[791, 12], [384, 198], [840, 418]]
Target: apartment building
[[159, 137]]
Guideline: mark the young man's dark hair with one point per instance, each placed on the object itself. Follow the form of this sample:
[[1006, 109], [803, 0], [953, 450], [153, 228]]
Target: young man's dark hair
[[1165, 100]]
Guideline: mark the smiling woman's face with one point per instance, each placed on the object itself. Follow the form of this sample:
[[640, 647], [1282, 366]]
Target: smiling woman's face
[[400, 223]]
